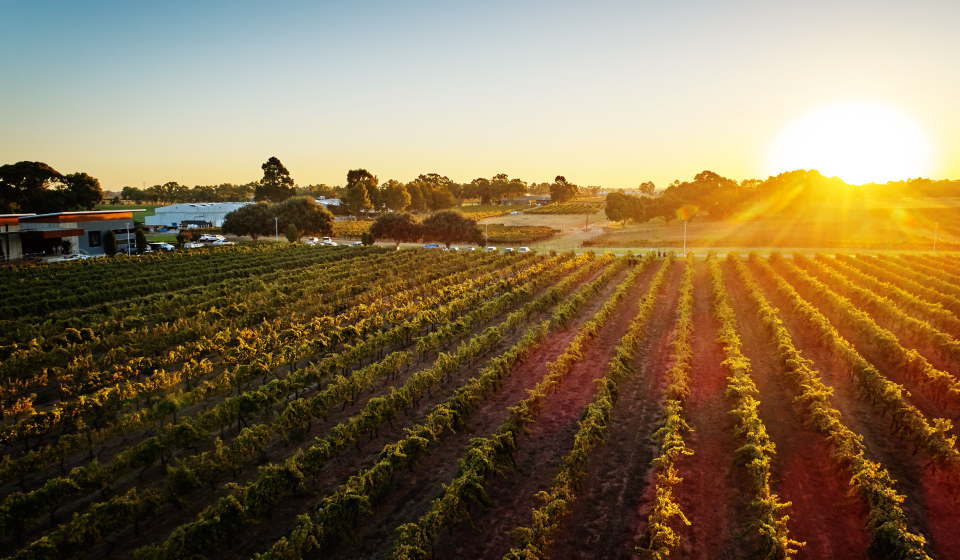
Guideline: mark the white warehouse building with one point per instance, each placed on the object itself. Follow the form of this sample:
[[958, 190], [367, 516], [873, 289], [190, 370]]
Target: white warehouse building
[[193, 215]]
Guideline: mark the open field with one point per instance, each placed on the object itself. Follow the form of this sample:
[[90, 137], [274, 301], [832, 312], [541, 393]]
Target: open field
[[370, 403]]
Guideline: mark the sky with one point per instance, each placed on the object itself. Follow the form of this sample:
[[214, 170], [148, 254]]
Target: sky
[[604, 93]]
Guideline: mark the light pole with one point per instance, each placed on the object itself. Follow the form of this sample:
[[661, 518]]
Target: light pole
[[128, 240], [935, 237], [684, 238], [276, 228]]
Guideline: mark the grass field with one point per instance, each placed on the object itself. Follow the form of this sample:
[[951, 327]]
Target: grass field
[[139, 216]]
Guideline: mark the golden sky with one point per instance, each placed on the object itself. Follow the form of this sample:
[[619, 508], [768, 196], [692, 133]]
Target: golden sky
[[609, 94]]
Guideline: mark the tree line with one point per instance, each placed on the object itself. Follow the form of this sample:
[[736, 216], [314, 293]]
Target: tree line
[[712, 196]]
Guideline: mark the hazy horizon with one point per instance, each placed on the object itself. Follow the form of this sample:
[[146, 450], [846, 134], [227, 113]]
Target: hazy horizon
[[610, 94]]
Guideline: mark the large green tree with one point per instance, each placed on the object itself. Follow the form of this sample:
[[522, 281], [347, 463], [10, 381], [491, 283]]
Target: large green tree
[[253, 220], [361, 193], [276, 185], [450, 226], [395, 196], [399, 227], [561, 191], [33, 186], [306, 215]]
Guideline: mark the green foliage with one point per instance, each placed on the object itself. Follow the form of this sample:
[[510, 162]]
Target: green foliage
[[399, 227], [141, 241], [450, 226], [110, 245], [276, 185], [561, 191], [291, 233]]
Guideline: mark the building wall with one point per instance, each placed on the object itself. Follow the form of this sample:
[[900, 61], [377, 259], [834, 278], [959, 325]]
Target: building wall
[[101, 228], [174, 214]]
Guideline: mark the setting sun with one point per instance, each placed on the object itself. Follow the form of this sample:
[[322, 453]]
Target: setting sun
[[857, 141]]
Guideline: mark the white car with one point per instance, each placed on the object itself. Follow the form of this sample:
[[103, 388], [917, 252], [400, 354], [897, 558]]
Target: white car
[[222, 242], [454, 249], [328, 242], [490, 249], [312, 241], [524, 250], [356, 243], [515, 212], [192, 245], [508, 250], [161, 246]]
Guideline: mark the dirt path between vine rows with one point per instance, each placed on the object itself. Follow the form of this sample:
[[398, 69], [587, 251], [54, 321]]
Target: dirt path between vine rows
[[930, 510], [603, 521], [831, 523]]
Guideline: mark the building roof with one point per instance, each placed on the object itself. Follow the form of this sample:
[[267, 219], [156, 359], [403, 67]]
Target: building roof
[[192, 207], [84, 216]]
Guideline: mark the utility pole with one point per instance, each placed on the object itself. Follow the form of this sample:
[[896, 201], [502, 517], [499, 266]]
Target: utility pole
[[276, 227], [128, 240], [685, 238]]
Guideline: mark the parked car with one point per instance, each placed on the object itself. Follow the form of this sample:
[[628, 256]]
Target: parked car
[[508, 250], [222, 242], [209, 238], [455, 249], [193, 245], [524, 250], [356, 243], [490, 249], [312, 241], [158, 247], [515, 212], [470, 249], [328, 242], [431, 246]]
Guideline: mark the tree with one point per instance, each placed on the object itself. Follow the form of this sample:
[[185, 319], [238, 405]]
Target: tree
[[85, 189], [25, 187], [616, 207], [306, 215], [182, 238], [504, 187], [647, 188], [367, 238], [355, 199], [432, 191], [115, 201], [395, 195], [276, 185], [362, 179], [561, 191], [450, 226], [141, 240], [252, 219], [291, 233], [110, 243], [399, 227]]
